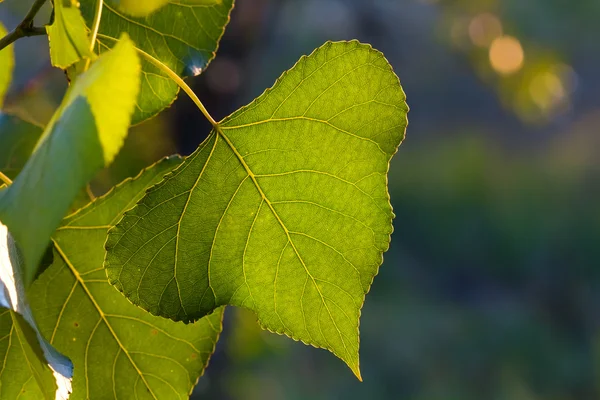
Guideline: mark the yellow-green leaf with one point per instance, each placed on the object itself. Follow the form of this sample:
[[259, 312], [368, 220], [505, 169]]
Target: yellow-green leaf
[[83, 136], [68, 35], [284, 209], [7, 63]]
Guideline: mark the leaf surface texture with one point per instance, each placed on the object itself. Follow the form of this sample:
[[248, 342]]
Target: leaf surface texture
[[182, 35], [284, 209], [118, 350]]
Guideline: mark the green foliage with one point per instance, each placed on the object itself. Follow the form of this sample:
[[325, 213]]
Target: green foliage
[[184, 37], [80, 140], [283, 209], [121, 351], [67, 36], [7, 62], [291, 223], [24, 373], [17, 141]]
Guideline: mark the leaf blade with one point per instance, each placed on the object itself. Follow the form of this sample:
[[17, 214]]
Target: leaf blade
[[67, 35], [284, 209], [126, 351], [84, 135], [182, 35]]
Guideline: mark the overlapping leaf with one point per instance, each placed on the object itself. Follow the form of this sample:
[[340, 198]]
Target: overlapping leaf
[[24, 373], [29, 361], [84, 135], [67, 35], [182, 35], [284, 209], [118, 350]]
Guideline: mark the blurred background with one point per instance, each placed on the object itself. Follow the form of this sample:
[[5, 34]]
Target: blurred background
[[490, 289]]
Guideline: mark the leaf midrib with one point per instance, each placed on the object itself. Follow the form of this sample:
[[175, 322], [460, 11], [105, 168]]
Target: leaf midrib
[[101, 313], [252, 176]]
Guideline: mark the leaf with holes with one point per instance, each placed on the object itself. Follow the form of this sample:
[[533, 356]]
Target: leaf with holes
[[183, 35], [284, 209], [118, 350]]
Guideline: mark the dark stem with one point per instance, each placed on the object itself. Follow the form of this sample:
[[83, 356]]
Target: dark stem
[[25, 28]]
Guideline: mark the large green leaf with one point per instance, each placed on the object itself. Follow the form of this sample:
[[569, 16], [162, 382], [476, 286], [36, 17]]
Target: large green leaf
[[118, 350], [84, 135], [7, 63], [284, 208], [68, 35], [17, 141], [181, 35], [24, 374]]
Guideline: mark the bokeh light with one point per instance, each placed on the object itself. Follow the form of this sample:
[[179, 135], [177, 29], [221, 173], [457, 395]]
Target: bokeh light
[[506, 55], [484, 28]]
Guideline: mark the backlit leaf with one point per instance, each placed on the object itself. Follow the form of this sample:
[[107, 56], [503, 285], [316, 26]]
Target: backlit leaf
[[68, 35], [182, 35], [29, 361], [118, 350], [25, 375], [284, 209], [84, 135]]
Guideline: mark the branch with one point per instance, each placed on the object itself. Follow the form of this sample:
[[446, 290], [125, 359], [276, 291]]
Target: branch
[[25, 28]]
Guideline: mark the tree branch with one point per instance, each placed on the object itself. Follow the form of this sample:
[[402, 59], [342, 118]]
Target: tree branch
[[25, 28]]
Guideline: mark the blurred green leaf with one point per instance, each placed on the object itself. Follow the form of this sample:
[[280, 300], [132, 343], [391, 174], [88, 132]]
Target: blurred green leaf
[[283, 210], [84, 135], [17, 141], [118, 350], [181, 35], [68, 35], [7, 63]]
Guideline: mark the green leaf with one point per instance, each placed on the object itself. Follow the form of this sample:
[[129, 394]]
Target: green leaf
[[17, 141], [119, 350], [138, 8], [68, 35], [84, 135], [7, 63], [27, 357], [24, 373], [284, 209], [181, 35]]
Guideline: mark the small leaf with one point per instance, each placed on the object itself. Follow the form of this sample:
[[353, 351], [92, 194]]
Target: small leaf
[[68, 35], [17, 141], [84, 135], [119, 351], [7, 63], [284, 209], [183, 35]]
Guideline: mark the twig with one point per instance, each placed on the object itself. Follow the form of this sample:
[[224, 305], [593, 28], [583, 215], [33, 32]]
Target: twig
[[25, 28]]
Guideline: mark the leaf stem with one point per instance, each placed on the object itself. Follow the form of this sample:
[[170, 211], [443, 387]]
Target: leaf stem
[[25, 28], [5, 179], [176, 78], [95, 28]]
